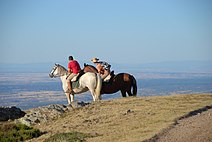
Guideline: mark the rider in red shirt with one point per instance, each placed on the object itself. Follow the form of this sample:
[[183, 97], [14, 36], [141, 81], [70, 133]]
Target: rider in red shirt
[[74, 66], [73, 70]]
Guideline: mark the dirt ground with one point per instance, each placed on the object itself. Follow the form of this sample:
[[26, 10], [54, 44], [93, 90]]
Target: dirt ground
[[137, 119], [197, 128]]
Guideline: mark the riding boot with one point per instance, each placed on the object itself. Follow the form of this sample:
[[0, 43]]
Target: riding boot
[[69, 88]]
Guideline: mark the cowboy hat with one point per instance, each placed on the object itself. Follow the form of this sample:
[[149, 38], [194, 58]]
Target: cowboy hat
[[94, 60]]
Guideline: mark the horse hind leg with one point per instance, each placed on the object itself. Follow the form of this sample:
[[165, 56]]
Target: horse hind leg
[[95, 98], [123, 93], [129, 93]]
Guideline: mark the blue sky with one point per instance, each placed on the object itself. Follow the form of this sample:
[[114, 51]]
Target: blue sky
[[118, 31]]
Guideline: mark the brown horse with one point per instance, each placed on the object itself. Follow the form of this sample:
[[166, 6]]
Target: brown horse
[[122, 81]]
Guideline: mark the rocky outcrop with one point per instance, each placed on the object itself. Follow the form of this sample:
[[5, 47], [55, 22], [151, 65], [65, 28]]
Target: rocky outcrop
[[44, 114], [10, 113]]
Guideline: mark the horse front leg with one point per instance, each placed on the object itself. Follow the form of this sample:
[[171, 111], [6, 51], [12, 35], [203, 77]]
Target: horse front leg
[[72, 98], [68, 98]]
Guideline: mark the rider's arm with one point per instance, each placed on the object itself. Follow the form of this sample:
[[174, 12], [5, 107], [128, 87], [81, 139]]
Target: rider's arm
[[100, 68], [69, 71], [69, 68]]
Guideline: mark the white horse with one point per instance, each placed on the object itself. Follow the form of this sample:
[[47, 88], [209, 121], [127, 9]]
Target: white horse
[[88, 81]]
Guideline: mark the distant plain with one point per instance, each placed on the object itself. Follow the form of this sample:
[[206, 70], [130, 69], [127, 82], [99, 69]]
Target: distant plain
[[29, 90]]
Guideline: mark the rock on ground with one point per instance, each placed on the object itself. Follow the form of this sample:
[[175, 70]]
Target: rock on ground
[[44, 114], [7, 113]]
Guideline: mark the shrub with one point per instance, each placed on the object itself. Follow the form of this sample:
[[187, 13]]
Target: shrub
[[10, 132]]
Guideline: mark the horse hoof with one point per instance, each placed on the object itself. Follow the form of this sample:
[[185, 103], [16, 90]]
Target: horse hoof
[[70, 107]]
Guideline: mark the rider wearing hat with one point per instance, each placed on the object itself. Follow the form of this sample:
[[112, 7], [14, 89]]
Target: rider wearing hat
[[102, 67], [73, 70]]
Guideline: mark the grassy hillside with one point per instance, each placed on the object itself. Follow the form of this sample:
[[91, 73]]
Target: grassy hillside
[[124, 119]]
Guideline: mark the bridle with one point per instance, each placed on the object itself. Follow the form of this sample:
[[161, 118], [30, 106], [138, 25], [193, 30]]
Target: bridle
[[53, 70]]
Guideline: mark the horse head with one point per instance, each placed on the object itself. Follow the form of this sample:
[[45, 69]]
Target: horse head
[[57, 71]]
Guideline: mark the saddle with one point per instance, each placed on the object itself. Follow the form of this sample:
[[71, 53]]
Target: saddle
[[75, 80]]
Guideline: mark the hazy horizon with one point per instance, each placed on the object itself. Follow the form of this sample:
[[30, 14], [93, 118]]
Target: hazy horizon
[[169, 66]]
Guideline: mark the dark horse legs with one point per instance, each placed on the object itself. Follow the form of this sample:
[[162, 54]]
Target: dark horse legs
[[123, 93]]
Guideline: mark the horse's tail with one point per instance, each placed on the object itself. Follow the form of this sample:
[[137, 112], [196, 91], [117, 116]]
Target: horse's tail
[[134, 85], [98, 86]]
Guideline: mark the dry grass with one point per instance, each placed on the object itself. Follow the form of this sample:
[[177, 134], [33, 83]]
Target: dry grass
[[127, 119]]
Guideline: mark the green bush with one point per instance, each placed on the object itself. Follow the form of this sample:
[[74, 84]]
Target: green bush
[[10, 132]]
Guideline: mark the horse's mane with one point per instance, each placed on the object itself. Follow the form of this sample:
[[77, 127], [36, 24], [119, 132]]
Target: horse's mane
[[63, 68]]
